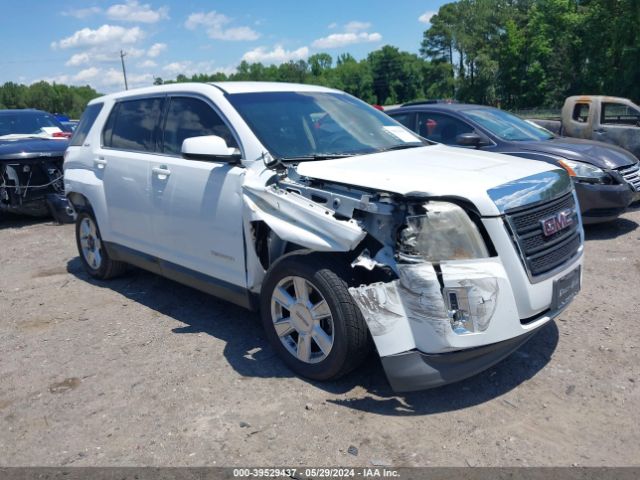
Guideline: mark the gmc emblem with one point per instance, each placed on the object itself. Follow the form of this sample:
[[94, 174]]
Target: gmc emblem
[[559, 221]]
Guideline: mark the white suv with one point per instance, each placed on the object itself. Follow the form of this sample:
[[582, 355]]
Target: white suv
[[341, 226]]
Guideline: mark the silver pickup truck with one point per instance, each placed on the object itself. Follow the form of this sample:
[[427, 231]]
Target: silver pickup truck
[[606, 119]]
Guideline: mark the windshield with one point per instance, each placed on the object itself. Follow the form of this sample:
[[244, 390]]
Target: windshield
[[506, 126], [26, 123], [309, 125]]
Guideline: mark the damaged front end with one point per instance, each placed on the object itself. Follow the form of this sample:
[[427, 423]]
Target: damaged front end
[[423, 271], [32, 184]]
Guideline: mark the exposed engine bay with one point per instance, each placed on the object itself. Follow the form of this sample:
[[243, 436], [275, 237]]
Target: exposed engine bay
[[33, 186]]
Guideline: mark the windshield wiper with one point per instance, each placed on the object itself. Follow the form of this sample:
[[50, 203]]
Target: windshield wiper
[[401, 146], [319, 156]]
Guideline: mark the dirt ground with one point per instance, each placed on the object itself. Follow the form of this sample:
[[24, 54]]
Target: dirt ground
[[144, 371]]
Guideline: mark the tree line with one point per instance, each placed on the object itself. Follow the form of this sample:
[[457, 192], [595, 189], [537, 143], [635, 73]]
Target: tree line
[[56, 98], [511, 53]]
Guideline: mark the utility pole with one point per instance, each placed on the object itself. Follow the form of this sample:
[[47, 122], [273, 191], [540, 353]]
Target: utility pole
[[124, 71]]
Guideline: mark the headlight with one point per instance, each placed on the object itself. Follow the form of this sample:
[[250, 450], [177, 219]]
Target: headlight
[[444, 232], [585, 172]]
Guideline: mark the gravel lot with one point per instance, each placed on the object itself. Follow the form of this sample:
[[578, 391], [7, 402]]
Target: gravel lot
[[144, 371]]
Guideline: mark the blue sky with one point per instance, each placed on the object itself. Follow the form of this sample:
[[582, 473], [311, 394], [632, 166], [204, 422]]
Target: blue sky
[[78, 42]]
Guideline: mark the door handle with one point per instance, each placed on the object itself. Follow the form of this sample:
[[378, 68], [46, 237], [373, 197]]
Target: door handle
[[162, 172], [100, 162], [600, 130]]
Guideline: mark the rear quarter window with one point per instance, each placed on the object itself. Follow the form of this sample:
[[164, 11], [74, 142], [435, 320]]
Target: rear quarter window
[[86, 122]]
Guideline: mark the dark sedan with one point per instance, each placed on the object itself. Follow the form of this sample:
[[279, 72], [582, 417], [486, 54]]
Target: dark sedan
[[31, 156], [607, 178]]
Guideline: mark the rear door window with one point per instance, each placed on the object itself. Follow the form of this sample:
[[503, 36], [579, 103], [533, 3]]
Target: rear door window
[[191, 117], [86, 122], [441, 128], [133, 125]]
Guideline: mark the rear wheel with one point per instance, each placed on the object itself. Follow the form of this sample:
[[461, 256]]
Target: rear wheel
[[93, 254], [310, 318]]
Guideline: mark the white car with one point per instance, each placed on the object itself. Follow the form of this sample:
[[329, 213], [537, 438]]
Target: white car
[[344, 228]]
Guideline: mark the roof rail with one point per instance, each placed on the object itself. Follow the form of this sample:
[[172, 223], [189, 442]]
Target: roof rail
[[429, 102]]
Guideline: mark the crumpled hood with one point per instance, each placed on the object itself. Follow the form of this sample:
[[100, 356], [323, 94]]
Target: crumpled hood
[[31, 147], [599, 154], [436, 171]]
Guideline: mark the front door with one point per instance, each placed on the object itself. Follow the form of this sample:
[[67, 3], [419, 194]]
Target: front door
[[197, 205]]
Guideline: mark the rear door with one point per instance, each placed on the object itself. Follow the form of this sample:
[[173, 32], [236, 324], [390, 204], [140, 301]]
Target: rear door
[[197, 204], [123, 162]]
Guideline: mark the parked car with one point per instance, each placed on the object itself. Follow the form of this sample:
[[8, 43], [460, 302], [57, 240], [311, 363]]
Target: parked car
[[607, 178], [606, 119], [30, 123], [340, 225], [31, 159]]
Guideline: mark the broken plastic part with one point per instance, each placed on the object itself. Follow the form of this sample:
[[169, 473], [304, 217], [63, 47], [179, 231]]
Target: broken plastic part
[[298, 220]]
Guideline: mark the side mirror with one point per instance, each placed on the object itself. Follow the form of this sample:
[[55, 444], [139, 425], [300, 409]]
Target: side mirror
[[470, 140], [209, 148]]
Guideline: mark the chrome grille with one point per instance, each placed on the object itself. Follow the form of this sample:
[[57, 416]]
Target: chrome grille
[[541, 253], [632, 176]]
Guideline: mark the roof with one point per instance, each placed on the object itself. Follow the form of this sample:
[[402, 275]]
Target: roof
[[20, 110], [445, 107], [227, 87], [255, 87]]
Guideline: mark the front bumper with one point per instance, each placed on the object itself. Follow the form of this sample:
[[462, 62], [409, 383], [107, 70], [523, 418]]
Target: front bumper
[[415, 370], [603, 203]]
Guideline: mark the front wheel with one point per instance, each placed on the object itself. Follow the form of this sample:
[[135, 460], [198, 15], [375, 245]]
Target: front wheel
[[311, 319]]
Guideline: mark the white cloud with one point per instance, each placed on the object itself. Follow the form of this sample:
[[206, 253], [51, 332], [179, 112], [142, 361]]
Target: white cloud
[[189, 68], [277, 55], [148, 64], [86, 74], [336, 40], [156, 49], [114, 78], [426, 16], [112, 35], [133, 11], [174, 68], [77, 59], [82, 12], [332, 25], [355, 26], [215, 24]]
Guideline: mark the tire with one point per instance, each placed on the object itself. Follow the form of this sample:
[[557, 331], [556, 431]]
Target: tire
[[298, 342], [94, 256]]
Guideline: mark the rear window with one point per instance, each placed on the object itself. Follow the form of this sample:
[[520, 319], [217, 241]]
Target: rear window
[[581, 112], [133, 125], [86, 122]]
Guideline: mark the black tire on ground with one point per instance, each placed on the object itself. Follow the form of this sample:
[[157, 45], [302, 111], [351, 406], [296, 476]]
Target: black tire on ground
[[351, 342], [107, 268]]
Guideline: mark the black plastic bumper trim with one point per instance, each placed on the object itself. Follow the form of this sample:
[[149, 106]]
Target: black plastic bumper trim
[[415, 370]]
